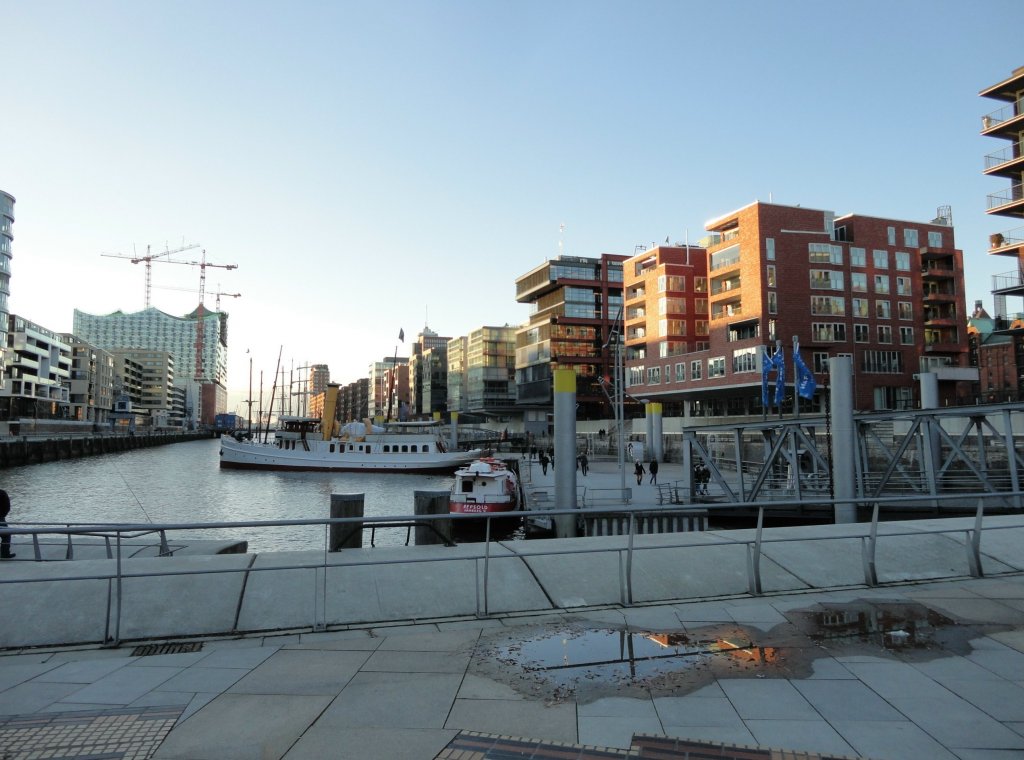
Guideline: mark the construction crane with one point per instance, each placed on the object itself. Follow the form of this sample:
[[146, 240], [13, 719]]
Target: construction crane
[[149, 258], [200, 329], [217, 293]]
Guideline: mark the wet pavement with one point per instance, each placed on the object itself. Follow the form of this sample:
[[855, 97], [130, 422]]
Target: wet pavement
[[930, 670]]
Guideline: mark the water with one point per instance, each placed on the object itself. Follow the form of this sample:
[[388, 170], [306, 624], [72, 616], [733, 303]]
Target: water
[[183, 483]]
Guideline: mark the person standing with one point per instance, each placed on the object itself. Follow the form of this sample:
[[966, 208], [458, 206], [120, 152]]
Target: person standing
[[639, 471], [5, 541], [654, 471], [544, 463], [584, 463]]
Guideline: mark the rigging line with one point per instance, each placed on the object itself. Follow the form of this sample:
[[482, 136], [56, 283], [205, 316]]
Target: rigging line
[[132, 492]]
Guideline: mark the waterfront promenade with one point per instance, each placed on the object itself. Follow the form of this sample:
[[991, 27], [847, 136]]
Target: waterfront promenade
[[930, 663]]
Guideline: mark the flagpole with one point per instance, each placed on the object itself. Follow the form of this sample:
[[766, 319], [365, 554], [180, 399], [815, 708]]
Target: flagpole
[[780, 376], [796, 390]]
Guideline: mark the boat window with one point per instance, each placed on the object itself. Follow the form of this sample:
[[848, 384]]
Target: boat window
[[387, 448], [467, 486], [332, 448], [405, 448]]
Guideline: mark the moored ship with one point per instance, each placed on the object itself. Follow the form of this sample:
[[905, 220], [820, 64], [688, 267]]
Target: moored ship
[[485, 485]]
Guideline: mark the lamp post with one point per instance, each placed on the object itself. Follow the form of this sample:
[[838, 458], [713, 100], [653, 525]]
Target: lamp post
[[618, 401]]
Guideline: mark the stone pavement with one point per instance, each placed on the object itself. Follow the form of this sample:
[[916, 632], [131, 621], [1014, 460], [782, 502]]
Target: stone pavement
[[929, 670]]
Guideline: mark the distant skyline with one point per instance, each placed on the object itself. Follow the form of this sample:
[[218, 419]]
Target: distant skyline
[[368, 165]]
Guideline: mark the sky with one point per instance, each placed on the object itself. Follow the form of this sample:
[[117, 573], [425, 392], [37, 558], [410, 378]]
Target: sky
[[377, 167]]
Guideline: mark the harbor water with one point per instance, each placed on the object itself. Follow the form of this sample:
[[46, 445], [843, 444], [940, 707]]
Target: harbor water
[[183, 483]]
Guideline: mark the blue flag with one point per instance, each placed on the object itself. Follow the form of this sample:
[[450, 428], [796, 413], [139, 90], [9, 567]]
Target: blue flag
[[766, 365], [805, 383], [779, 360]]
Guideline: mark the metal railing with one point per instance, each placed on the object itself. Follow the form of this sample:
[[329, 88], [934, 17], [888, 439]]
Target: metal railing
[[1000, 115], [480, 554], [1012, 279], [1013, 194], [1004, 156]]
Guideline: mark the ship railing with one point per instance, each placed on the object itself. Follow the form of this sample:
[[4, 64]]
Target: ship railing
[[625, 547]]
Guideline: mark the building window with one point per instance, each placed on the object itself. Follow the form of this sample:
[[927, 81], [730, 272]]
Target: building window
[[773, 302], [903, 261], [891, 235], [906, 309], [859, 282], [828, 305], [828, 332], [884, 334], [681, 372], [883, 310], [934, 239], [769, 249], [860, 307], [824, 253], [903, 286], [910, 238], [700, 284], [882, 283], [701, 326], [700, 305], [882, 362], [826, 279], [907, 336], [654, 375], [695, 368], [716, 367], [771, 276], [858, 257], [743, 360], [880, 258], [861, 334], [819, 361]]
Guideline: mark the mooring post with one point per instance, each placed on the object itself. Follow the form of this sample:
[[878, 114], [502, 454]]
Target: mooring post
[[658, 443], [840, 372], [565, 451], [432, 503], [346, 535]]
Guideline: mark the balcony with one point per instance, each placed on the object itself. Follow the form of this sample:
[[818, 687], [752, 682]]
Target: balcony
[[1009, 283], [1003, 121], [1008, 162], [935, 271], [943, 347], [723, 310], [936, 296], [724, 285], [1009, 202], [1007, 243]]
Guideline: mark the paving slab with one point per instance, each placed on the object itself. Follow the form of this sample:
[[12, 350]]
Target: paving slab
[[243, 727], [695, 710], [298, 672], [448, 641], [204, 679], [615, 731], [800, 736], [20, 672], [399, 700], [82, 671], [323, 741], [124, 685], [767, 699], [846, 700], [956, 723], [515, 718], [30, 697]]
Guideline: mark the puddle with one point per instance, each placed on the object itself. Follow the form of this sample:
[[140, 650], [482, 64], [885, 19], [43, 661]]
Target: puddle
[[576, 661]]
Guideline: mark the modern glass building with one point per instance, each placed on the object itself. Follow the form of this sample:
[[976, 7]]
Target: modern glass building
[[6, 222]]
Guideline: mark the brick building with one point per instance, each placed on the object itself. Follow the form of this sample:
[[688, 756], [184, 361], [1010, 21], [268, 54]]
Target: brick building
[[887, 293]]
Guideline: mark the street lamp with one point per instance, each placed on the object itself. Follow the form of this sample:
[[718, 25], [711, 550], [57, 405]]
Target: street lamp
[[619, 386]]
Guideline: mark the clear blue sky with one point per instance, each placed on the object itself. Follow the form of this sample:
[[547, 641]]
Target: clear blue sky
[[376, 166]]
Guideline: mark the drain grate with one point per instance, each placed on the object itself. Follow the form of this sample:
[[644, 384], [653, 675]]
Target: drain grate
[[148, 650]]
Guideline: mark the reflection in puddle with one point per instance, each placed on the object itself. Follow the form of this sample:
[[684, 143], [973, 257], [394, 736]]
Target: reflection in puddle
[[888, 625], [563, 661]]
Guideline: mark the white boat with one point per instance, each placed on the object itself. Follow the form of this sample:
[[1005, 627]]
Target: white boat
[[307, 443], [485, 485]]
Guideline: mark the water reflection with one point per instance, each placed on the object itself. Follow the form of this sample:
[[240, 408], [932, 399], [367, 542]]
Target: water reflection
[[183, 483]]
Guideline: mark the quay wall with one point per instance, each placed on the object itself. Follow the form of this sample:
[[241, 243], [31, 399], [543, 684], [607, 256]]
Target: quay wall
[[22, 450]]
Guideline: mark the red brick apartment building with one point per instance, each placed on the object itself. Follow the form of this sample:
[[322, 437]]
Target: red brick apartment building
[[1000, 350], [885, 292]]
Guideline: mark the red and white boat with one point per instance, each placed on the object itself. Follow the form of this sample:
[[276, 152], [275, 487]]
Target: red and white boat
[[485, 485]]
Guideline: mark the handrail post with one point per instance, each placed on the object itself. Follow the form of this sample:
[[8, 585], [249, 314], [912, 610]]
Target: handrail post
[[165, 550], [487, 561], [70, 551], [629, 560], [974, 542], [35, 548], [754, 557], [869, 548], [116, 639]]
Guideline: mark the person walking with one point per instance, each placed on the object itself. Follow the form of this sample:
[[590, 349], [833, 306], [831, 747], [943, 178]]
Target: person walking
[[5, 541], [551, 457], [639, 471], [654, 471], [584, 463], [544, 463]]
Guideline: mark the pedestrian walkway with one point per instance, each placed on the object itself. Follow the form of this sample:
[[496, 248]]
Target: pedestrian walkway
[[917, 670]]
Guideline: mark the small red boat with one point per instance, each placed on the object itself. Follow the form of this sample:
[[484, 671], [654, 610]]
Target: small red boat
[[483, 486]]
